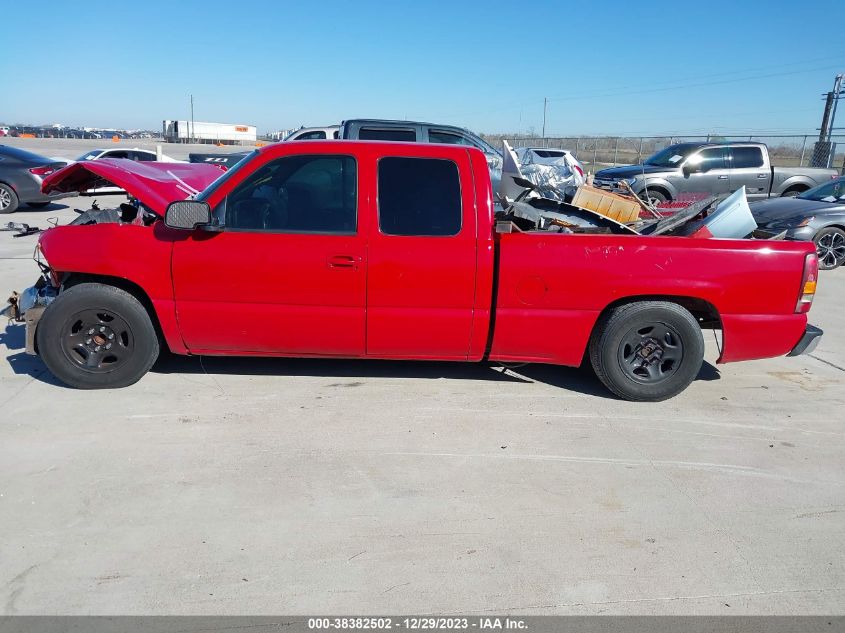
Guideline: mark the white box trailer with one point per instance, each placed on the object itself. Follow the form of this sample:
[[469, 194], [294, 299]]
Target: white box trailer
[[203, 131]]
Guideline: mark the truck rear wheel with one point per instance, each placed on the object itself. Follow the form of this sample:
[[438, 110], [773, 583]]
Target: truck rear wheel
[[95, 336], [647, 351]]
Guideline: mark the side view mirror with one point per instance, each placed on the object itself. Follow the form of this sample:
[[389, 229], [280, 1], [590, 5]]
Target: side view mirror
[[187, 214]]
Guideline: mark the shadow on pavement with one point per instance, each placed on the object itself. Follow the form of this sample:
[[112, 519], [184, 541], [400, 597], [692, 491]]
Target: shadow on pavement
[[580, 380], [52, 206]]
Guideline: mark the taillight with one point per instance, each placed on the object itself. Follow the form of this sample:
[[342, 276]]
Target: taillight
[[579, 170], [43, 171], [808, 283]]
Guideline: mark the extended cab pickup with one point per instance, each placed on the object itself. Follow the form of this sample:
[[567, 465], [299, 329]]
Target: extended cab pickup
[[389, 250], [712, 168]]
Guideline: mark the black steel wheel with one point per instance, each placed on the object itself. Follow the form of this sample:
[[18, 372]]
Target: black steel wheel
[[95, 336], [647, 350], [8, 199], [650, 352], [97, 340], [830, 247]]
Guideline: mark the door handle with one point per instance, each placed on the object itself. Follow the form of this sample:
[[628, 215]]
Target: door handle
[[723, 177], [343, 261], [762, 175]]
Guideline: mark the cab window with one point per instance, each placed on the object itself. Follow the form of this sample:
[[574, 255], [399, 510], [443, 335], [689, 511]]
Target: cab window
[[419, 196], [296, 194]]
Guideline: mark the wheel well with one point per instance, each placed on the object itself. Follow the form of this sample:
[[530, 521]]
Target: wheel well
[[841, 227], [74, 279], [658, 188], [703, 311], [797, 187]]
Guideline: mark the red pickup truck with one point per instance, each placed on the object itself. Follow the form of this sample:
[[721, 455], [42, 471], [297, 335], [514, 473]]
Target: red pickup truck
[[388, 250]]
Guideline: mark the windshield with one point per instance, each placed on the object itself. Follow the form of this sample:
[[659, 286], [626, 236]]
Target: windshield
[[205, 193], [89, 155], [672, 155], [833, 191]]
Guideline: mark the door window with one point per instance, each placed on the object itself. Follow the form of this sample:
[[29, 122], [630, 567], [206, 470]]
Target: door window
[[389, 134], [748, 157], [296, 194], [419, 196], [311, 136], [435, 136], [710, 158], [145, 156]]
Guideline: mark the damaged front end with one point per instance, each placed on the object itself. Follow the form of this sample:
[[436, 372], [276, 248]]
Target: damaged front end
[[28, 305]]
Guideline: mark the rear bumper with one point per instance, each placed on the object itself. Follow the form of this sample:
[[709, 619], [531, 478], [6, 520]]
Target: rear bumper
[[808, 342]]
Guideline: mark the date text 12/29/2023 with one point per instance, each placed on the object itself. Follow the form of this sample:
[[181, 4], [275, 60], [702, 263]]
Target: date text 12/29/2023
[[422, 623]]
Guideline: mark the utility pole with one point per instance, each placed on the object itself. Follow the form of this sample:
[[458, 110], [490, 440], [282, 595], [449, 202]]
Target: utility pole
[[545, 103], [823, 150], [192, 118]]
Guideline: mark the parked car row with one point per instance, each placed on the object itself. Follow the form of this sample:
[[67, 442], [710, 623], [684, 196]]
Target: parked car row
[[58, 131]]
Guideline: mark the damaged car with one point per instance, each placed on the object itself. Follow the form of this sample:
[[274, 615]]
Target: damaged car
[[344, 249]]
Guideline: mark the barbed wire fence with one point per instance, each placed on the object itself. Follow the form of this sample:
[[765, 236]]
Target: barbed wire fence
[[598, 152]]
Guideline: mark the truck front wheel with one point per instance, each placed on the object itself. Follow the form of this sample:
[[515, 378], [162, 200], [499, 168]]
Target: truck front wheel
[[95, 336], [647, 351], [653, 196]]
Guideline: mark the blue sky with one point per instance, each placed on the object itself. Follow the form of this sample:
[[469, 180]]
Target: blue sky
[[607, 68]]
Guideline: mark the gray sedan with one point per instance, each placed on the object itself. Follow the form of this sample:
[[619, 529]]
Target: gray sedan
[[21, 173], [817, 214]]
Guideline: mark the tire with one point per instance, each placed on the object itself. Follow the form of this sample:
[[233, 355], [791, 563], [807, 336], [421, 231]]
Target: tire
[[8, 199], [37, 205], [659, 329], [830, 247], [655, 196], [77, 329], [791, 193]]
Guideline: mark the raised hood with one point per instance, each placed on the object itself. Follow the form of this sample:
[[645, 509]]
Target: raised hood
[[155, 184]]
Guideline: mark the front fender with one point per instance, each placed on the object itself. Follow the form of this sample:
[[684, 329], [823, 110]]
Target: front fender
[[139, 255], [658, 183]]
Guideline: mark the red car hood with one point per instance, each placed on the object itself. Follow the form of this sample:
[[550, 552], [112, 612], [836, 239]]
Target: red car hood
[[154, 184]]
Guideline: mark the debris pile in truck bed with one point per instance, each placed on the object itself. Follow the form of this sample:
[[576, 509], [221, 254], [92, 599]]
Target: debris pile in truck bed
[[529, 206]]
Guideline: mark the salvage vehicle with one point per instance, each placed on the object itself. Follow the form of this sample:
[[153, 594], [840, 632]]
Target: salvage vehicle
[[223, 161], [314, 133], [817, 215], [21, 175], [129, 154], [338, 249], [548, 156], [712, 168]]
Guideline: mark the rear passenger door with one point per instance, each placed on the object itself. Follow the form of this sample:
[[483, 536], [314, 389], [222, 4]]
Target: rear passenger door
[[749, 168], [422, 256]]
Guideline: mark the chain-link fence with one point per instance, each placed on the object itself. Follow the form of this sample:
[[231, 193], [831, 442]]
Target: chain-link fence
[[598, 152]]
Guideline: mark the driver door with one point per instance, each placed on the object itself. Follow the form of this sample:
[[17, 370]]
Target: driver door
[[287, 273], [709, 173]]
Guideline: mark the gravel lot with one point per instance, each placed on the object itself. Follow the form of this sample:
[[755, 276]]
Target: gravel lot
[[303, 486]]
